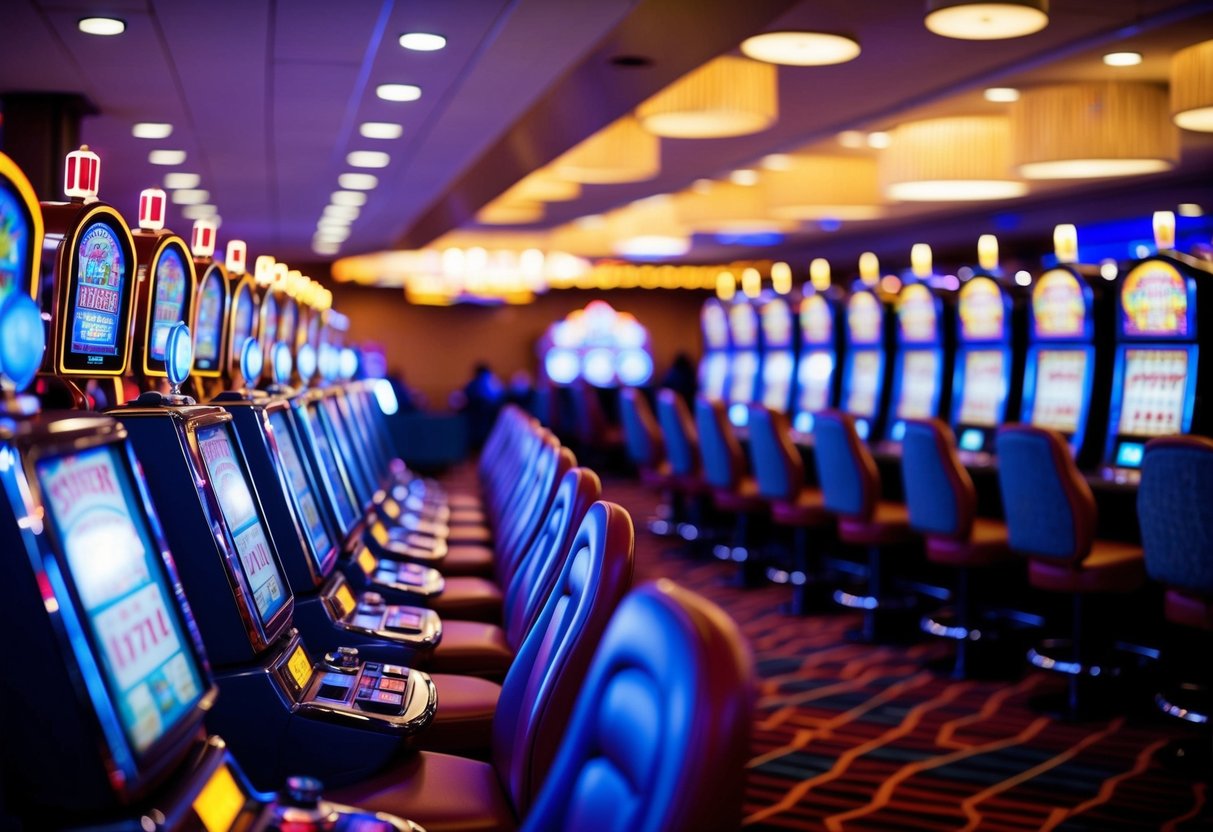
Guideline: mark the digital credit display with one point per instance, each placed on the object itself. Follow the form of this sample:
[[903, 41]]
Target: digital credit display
[[152, 675], [100, 271], [243, 521], [168, 306], [300, 488]]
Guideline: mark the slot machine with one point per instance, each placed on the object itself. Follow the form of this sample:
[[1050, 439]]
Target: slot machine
[[1066, 379], [865, 352], [820, 346], [1160, 377], [714, 363], [920, 373], [988, 369], [211, 314], [122, 675], [745, 361], [88, 289], [778, 353]]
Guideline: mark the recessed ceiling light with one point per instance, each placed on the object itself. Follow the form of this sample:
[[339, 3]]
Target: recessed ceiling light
[[367, 159], [102, 26], [398, 92], [380, 130], [1001, 95], [356, 198], [325, 247], [190, 196], [166, 157], [358, 181], [852, 139], [333, 234], [777, 161], [152, 130], [744, 176], [1122, 58], [879, 140], [800, 48], [198, 212], [345, 212], [986, 19], [422, 41], [1189, 209], [174, 181]]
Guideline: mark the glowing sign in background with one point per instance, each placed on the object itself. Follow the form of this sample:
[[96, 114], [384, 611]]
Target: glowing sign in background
[[152, 678], [1058, 306], [1154, 301], [982, 310]]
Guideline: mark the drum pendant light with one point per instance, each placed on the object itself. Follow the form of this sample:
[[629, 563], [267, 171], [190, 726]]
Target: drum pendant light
[[1192, 87], [962, 158], [986, 19], [725, 97]]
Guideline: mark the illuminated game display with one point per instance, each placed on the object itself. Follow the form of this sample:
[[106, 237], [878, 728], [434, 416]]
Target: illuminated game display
[[984, 363], [778, 357], [152, 675], [169, 305], [714, 364], [208, 321], [15, 247], [240, 511], [605, 347], [300, 488], [864, 363], [243, 318], [918, 366], [329, 471], [1157, 362], [745, 363], [97, 305], [815, 369]]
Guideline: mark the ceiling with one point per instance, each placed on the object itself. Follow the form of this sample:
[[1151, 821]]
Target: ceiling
[[265, 98]]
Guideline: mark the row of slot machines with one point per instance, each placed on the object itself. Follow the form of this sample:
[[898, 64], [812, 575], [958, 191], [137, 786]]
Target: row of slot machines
[[205, 592], [1110, 358]]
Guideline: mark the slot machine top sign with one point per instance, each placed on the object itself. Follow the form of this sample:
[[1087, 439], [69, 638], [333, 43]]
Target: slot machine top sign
[[864, 318], [1059, 306], [776, 319], [715, 325], [916, 314], [743, 325], [1155, 302], [816, 321], [983, 310]]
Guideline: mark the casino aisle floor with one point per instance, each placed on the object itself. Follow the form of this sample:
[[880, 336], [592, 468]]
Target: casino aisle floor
[[853, 737]]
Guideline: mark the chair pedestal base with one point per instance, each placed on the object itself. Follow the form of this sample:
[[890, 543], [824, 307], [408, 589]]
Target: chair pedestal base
[[1089, 673], [988, 644]]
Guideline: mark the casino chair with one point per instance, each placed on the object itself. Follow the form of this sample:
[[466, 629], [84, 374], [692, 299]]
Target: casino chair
[[642, 440], [592, 430], [851, 488], [1173, 506], [1051, 520], [453, 793], [942, 504], [681, 441], [779, 472], [734, 491]]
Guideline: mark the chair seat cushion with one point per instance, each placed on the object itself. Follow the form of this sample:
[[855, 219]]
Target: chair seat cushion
[[468, 501], [889, 524], [463, 721], [743, 499], [466, 517], [441, 792], [473, 599], [986, 546], [1112, 566], [467, 559], [470, 534], [473, 648], [808, 509], [1188, 610]]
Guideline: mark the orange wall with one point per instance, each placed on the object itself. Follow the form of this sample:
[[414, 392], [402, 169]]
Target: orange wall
[[435, 348]]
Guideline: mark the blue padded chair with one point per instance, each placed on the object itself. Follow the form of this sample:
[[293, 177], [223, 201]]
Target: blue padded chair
[[1173, 505], [642, 440], [850, 485], [779, 472], [942, 504], [445, 793], [1051, 520], [733, 490], [659, 738], [681, 441]]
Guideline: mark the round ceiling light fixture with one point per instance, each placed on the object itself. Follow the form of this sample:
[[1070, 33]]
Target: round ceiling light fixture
[[986, 19], [725, 97], [792, 48], [1192, 87]]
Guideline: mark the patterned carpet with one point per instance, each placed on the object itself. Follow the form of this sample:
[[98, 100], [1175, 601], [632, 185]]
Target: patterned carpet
[[852, 737]]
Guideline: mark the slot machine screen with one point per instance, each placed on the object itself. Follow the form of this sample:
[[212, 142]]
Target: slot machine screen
[[286, 323], [169, 305], [96, 307], [269, 322], [1060, 389], [743, 326], [152, 674], [985, 388], [864, 381], [243, 520], [745, 368], [776, 380], [714, 374], [919, 384], [715, 326], [813, 381], [209, 320], [1154, 394], [348, 450], [300, 487], [777, 324], [242, 319], [344, 509], [15, 248]]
